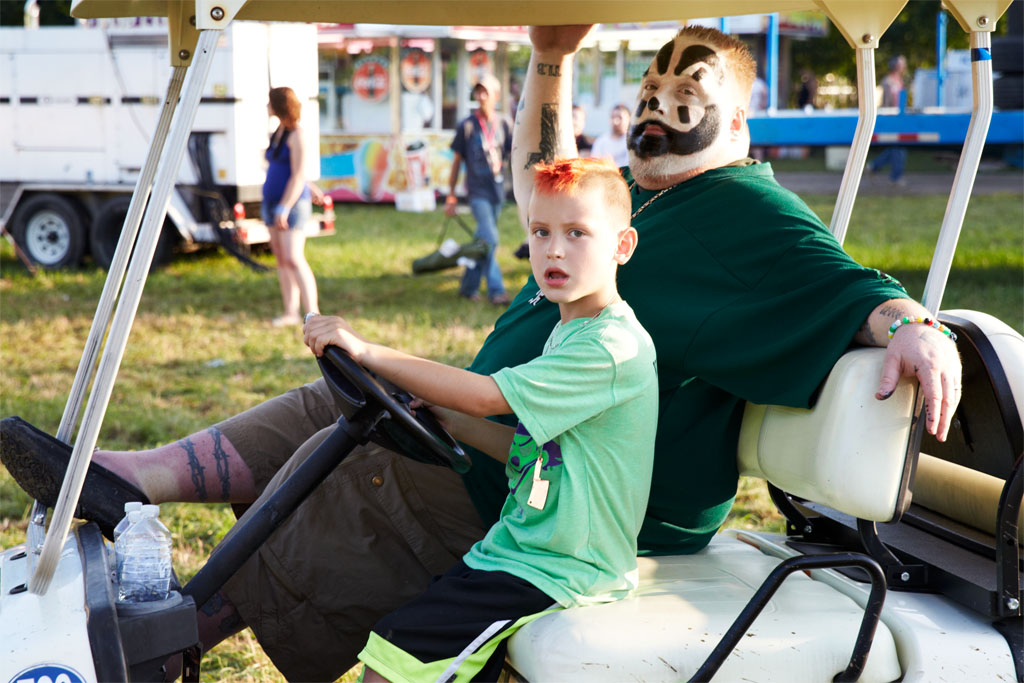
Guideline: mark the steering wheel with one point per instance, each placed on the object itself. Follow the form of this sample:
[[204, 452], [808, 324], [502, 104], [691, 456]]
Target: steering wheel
[[415, 434]]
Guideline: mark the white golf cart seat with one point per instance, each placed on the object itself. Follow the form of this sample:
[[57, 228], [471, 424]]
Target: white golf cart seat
[[850, 454]]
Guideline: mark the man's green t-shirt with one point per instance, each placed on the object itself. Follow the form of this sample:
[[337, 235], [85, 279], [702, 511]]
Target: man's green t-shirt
[[747, 297], [579, 469]]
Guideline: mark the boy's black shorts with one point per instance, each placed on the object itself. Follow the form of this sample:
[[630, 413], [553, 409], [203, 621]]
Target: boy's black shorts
[[455, 630]]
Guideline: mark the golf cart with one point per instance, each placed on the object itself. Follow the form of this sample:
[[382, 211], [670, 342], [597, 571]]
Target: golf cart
[[902, 555]]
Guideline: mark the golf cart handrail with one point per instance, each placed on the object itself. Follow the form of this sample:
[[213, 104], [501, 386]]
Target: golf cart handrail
[[193, 28]]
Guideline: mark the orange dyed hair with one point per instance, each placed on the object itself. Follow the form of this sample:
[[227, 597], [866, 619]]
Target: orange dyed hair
[[286, 106], [571, 176]]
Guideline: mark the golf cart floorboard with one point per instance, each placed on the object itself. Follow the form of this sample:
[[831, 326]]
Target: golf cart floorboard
[[963, 575]]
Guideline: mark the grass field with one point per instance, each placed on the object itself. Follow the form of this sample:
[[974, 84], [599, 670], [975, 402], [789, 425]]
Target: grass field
[[202, 347]]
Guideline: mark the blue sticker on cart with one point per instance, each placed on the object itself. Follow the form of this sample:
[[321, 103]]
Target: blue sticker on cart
[[48, 673], [980, 54]]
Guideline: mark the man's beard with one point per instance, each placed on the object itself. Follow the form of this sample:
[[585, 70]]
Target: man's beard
[[676, 142], [656, 157]]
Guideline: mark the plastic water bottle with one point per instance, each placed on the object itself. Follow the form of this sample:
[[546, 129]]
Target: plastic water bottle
[[145, 552], [115, 559]]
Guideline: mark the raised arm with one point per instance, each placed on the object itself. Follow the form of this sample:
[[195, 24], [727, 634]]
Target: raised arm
[[543, 129], [916, 350]]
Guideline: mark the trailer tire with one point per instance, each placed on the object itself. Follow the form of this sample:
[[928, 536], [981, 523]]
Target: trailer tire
[[50, 230], [106, 231]]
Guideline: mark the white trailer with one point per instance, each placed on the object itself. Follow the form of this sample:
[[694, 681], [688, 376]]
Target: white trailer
[[78, 107]]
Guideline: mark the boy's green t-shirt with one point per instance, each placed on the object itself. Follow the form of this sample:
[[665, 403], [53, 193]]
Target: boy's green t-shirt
[[587, 409], [747, 297]]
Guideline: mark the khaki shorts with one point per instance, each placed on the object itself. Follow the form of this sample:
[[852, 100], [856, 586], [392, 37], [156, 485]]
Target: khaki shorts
[[367, 540]]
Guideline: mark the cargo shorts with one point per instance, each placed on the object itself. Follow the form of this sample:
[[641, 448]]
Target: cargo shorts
[[366, 541]]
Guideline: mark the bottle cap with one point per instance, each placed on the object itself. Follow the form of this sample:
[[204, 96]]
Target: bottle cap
[[134, 516], [132, 505], [151, 510]]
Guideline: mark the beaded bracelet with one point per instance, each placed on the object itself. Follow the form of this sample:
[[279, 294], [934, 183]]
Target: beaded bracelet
[[924, 321]]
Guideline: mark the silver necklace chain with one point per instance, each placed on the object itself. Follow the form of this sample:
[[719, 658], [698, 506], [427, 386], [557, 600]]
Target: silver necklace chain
[[649, 201]]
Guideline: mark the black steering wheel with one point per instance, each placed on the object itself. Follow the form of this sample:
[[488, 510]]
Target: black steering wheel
[[415, 434]]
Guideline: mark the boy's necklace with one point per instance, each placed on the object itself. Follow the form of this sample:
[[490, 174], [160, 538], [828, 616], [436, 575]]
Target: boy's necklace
[[649, 201]]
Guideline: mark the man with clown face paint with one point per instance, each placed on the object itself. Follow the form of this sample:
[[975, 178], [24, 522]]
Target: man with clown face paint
[[746, 294]]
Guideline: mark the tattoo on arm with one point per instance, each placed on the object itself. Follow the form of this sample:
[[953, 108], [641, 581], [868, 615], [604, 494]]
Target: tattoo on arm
[[220, 456], [548, 136], [554, 70], [198, 478]]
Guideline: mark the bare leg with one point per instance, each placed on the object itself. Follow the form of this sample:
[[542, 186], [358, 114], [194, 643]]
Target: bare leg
[[292, 256], [286, 276], [201, 468], [217, 620], [371, 676]]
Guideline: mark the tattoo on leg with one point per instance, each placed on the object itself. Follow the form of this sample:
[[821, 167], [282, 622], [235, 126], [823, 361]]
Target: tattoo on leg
[[198, 479], [230, 621], [221, 458]]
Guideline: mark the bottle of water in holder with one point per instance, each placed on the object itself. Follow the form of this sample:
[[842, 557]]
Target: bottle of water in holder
[[144, 552], [115, 558]]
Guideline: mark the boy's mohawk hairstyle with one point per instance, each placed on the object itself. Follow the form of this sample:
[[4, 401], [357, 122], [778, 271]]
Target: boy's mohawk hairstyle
[[565, 175]]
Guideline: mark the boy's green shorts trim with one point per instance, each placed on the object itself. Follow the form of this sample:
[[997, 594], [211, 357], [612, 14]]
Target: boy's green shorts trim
[[397, 665]]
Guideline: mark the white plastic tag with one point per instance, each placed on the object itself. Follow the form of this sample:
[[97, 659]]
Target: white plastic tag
[[539, 490]]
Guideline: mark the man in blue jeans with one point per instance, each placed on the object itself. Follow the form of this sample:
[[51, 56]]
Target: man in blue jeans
[[484, 140]]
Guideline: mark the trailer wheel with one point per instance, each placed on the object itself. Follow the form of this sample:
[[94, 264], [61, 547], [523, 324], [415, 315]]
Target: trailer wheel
[[106, 231], [49, 228]]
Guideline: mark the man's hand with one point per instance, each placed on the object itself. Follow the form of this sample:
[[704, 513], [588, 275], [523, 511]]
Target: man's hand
[[450, 203], [321, 331], [564, 40], [924, 352]]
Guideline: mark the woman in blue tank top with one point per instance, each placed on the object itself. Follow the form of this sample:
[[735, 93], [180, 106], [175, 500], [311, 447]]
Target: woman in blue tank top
[[287, 208]]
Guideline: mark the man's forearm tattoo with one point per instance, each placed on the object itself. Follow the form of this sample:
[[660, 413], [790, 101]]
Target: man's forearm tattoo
[[220, 456], [549, 70], [889, 311], [198, 478], [548, 136]]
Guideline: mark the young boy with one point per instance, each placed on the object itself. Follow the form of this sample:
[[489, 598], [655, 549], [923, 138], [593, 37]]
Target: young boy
[[579, 462]]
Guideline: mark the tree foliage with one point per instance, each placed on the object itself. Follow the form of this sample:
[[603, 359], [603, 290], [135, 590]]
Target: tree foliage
[[912, 34], [51, 13]]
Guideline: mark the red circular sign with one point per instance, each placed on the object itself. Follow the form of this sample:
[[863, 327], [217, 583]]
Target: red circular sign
[[370, 79], [414, 70]]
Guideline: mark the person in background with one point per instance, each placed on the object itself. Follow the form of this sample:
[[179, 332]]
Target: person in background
[[612, 145], [892, 95], [287, 207], [484, 141], [579, 120]]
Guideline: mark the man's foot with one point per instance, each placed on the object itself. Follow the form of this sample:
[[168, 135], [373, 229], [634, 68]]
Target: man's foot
[[500, 300], [523, 252], [286, 321], [471, 297], [37, 461]]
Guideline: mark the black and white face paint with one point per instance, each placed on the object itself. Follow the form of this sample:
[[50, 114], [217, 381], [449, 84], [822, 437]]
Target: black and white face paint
[[679, 112]]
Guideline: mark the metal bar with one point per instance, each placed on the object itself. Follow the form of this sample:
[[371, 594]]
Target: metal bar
[[940, 57], [867, 113], [1007, 549], [771, 75], [872, 611], [257, 526], [967, 169], [119, 264], [124, 316]]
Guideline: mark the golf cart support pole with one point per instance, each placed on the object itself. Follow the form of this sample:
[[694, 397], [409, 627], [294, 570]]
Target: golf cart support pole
[[967, 168], [865, 635], [124, 316], [861, 142], [245, 539], [111, 287]]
